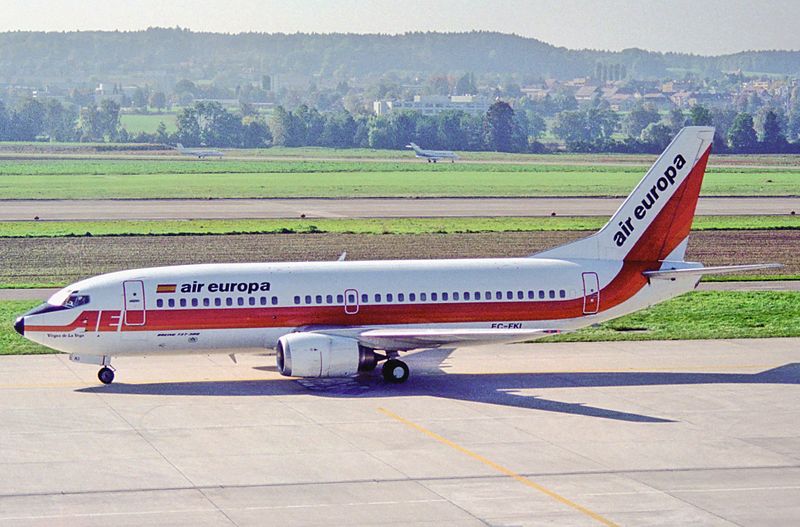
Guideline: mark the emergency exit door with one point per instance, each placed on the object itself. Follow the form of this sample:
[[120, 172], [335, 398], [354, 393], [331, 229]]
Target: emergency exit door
[[591, 293]]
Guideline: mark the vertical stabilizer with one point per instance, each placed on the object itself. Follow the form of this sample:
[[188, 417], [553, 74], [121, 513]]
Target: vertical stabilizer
[[654, 221]]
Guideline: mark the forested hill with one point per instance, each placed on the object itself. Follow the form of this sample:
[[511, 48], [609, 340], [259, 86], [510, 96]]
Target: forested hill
[[73, 57]]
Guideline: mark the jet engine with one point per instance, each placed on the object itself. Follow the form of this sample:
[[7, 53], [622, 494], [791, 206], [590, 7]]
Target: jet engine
[[315, 355]]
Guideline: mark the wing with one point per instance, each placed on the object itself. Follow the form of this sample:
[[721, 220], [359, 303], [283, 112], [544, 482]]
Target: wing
[[406, 339]]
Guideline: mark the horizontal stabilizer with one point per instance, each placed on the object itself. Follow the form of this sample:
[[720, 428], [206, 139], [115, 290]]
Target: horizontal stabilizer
[[699, 271]]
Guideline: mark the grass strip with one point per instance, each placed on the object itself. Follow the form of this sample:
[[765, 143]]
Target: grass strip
[[696, 315], [703, 315], [25, 229]]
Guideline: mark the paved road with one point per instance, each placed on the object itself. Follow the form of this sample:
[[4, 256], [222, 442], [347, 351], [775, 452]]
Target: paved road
[[664, 433], [358, 208], [778, 285]]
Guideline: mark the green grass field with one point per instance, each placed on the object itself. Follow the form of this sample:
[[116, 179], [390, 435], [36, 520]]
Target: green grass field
[[19, 229], [148, 123], [76, 179], [698, 315]]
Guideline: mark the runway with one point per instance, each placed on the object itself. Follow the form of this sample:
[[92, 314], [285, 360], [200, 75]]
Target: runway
[[170, 209], [664, 433]]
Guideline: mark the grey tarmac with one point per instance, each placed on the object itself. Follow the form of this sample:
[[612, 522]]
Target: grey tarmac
[[754, 285], [170, 209], [637, 433]]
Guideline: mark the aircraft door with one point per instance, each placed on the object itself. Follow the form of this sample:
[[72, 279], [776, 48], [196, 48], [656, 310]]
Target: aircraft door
[[591, 293], [133, 293], [350, 301]]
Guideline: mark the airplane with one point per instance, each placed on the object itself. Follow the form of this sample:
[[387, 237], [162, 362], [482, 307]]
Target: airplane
[[340, 318], [198, 152], [432, 155]]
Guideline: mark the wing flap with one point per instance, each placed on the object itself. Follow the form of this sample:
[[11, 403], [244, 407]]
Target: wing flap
[[415, 338]]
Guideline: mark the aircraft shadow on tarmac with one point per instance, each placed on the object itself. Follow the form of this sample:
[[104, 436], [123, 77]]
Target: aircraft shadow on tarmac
[[430, 379]]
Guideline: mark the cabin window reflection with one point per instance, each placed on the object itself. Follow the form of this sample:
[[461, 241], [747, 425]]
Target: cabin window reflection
[[401, 297], [562, 294], [194, 302], [552, 294], [274, 300], [444, 297], [412, 297], [171, 302], [329, 299], [340, 299], [434, 297], [183, 302], [541, 293], [159, 303], [217, 302], [466, 295], [377, 298], [364, 298], [206, 302], [423, 297]]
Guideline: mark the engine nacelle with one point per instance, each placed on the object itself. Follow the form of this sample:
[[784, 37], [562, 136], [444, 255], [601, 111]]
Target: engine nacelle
[[315, 355]]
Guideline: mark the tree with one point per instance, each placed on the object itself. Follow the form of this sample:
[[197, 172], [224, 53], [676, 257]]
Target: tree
[[59, 121], [161, 133], [452, 133], [139, 99], [158, 100], [466, 85], [536, 124], [5, 124], [89, 124], [657, 134], [255, 133], [676, 120], [108, 118], [500, 127], [28, 121], [638, 119], [772, 140], [571, 127], [742, 135], [700, 116]]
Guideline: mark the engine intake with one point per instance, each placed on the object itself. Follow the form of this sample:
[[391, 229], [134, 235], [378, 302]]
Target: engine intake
[[315, 355]]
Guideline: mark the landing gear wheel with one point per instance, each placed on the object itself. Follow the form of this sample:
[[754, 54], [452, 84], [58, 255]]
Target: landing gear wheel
[[395, 371], [106, 375]]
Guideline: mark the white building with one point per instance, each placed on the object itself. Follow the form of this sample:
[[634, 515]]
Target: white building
[[434, 104]]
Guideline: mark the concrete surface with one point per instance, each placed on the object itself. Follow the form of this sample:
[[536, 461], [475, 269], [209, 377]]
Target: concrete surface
[[359, 208], [664, 433], [776, 285]]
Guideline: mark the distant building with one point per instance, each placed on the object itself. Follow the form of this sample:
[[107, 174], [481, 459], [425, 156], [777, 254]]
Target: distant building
[[434, 105]]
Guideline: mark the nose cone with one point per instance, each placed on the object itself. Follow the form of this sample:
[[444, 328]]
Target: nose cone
[[19, 325]]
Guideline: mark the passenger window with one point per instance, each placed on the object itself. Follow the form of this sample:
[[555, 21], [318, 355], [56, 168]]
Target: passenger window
[[194, 302], [444, 297], [520, 295], [329, 299], [217, 302], [183, 302], [423, 297], [389, 297], [274, 300], [229, 301], [240, 301], [530, 295], [498, 295], [433, 297], [308, 299], [206, 302], [159, 303], [318, 299], [340, 299], [377, 298], [263, 301], [562, 294], [487, 295], [466, 295], [171, 302], [477, 295], [509, 295], [364, 298], [412, 297], [351, 298], [455, 295], [541, 294], [297, 300], [552, 294], [252, 301], [401, 297]]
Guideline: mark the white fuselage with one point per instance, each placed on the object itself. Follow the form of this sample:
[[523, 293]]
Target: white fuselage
[[248, 307]]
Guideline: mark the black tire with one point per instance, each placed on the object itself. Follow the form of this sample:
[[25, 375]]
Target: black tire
[[395, 371], [106, 375]]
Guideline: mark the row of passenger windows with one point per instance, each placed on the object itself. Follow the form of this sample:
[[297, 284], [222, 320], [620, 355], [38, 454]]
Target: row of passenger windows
[[445, 296], [377, 298], [218, 302]]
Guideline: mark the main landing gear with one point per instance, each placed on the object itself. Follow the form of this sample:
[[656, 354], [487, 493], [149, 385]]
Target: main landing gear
[[106, 375], [395, 371]]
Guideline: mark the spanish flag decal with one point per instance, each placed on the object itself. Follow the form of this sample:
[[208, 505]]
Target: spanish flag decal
[[166, 288]]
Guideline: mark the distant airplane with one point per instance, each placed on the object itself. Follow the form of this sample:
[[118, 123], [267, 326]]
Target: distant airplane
[[432, 155], [199, 153], [335, 319]]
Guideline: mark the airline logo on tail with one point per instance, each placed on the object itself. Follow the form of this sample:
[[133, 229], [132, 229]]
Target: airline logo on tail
[[656, 192]]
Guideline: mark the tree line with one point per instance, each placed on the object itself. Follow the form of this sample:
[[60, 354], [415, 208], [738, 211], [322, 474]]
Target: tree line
[[593, 128]]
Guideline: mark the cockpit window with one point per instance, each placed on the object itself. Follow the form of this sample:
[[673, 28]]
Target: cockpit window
[[75, 300]]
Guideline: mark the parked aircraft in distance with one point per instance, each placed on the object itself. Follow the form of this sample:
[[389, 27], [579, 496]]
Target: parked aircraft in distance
[[198, 152], [329, 319], [432, 155]]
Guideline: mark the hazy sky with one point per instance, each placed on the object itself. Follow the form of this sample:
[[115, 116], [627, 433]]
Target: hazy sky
[[695, 26]]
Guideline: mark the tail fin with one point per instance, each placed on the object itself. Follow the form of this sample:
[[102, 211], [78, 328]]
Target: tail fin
[[179, 146], [653, 223], [414, 146]]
